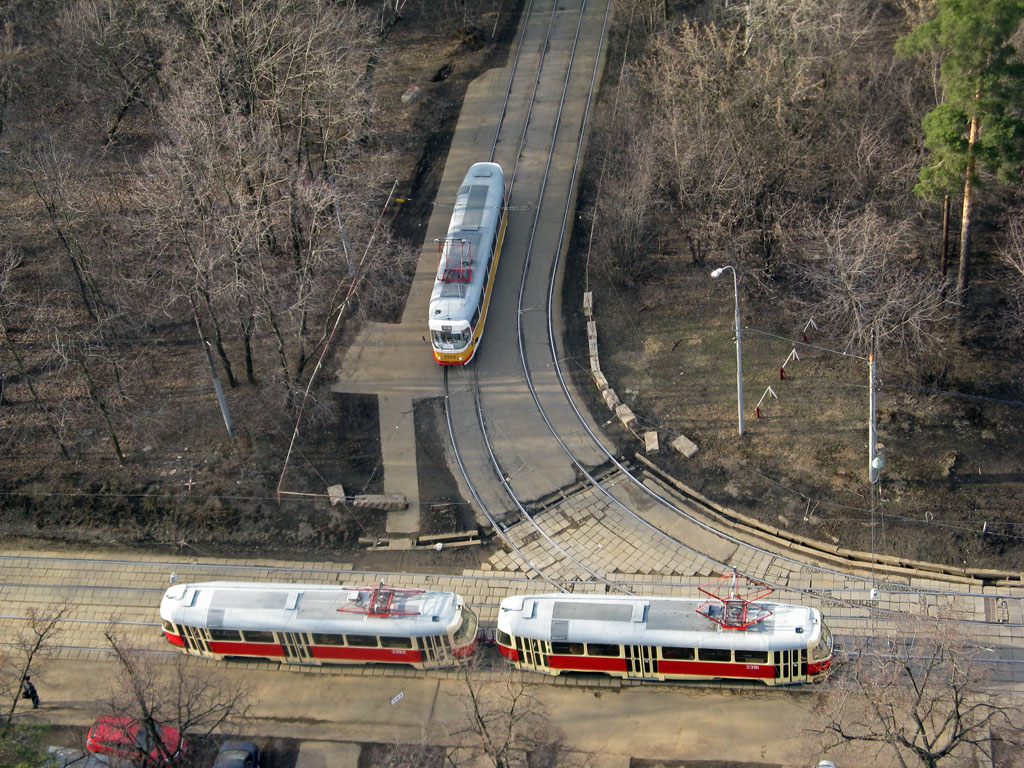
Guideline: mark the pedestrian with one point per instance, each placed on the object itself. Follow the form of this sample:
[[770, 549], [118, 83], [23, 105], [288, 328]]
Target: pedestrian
[[28, 691]]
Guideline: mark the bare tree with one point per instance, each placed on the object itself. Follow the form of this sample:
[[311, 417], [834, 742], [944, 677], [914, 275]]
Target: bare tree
[[267, 122], [9, 263], [1011, 253], [506, 725], [859, 278], [179, 694], [920, 694], [115, 47], [32, 644]]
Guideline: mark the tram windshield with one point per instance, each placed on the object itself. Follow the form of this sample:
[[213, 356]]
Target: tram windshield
[[467, 630], [824, 647], [451, 339]]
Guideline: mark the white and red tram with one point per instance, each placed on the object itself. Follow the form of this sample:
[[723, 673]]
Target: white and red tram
[[661, 638], [318, 624]]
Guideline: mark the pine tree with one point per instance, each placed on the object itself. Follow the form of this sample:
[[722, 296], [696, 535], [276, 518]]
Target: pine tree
[[979, 123]]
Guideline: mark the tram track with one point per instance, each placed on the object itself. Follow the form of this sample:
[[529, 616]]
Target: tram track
[[883, 587]]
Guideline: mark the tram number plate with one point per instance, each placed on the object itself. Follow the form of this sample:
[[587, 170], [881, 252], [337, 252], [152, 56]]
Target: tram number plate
[[397, 698]]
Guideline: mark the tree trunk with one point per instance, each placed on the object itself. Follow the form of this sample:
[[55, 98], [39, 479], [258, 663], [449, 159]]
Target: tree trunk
[[945, 238], [964, 273], [95, 397], [35, 395]]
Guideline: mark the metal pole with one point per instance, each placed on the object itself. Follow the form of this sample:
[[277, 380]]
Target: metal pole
[[739, 343], [872, 428], [219, 390], [739, 353]]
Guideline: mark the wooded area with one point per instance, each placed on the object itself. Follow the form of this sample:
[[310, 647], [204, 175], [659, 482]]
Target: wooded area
[[786, 136], [815, 146], [195, 191]]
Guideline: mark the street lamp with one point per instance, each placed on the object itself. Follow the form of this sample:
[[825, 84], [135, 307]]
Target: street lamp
[[739, 352]]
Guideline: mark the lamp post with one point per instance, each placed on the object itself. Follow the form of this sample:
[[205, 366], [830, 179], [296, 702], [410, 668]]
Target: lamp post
[[739, 350]]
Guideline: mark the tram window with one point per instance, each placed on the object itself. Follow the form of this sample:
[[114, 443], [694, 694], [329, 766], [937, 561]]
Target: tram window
[[752, 657], [457, 338], [362, 641], [569, 649], [259, 637], [503, 638], [677, 654], [714, 654], [602, 649], [168, 627], [396, 642], [823, 649], [325, 639], [232, 635]]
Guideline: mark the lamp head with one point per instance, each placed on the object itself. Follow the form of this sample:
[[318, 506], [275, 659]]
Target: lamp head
[[718, 272]]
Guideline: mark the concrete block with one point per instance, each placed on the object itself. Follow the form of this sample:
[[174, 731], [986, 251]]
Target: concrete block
[[588, 303], [625, 415], [600, 381], [685, 446], [336, 493], [610, 399], [591, 329], [391, 502], [651, 442]]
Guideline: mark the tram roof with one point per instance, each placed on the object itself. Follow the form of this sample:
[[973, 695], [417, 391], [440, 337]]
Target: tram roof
[[474, 220], [663, 621], [307, 608]]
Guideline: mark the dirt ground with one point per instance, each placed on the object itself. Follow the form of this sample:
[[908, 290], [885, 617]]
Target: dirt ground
[[953, 483]]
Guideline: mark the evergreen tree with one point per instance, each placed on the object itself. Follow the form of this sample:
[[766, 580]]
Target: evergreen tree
[[979, 124]]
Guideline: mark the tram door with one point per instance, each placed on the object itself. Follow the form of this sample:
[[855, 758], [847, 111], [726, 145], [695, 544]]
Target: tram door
[[639, 662], [296, 649], [434, 649], [788, 666], [196, 639], [531, 653]]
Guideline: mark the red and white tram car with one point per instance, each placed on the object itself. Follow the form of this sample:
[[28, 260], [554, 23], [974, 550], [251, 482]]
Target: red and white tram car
[[318, 624], [661, 638]]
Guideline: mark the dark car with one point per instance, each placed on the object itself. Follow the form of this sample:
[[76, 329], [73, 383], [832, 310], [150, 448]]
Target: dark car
[[124, 737], [238, 754]]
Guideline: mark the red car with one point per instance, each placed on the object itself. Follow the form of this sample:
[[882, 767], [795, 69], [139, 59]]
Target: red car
[[124, 737]]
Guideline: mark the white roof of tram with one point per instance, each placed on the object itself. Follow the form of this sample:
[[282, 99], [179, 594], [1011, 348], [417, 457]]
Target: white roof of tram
[[308, 608], [474, 218], [661, 621]]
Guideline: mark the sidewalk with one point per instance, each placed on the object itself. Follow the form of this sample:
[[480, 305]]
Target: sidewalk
[[638, 722]]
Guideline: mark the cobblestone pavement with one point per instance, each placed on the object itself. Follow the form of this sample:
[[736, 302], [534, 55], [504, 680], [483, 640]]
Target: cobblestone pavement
[[101, 589]]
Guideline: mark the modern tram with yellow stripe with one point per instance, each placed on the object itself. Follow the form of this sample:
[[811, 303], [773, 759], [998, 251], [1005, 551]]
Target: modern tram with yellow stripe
[[467, 266]]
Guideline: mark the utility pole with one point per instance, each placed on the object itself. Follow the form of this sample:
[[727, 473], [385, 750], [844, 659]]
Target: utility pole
[[872, 424]]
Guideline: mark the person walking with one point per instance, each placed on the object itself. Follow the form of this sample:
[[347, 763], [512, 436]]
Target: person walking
[[28, 691]]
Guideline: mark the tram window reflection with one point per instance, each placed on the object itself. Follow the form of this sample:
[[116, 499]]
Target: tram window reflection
[[677, 654], [602, 649], [714, 654], [252, 636], [320, 638], [396, 642], [567, 649], [362, 641], [752, 657], [230, 635]]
